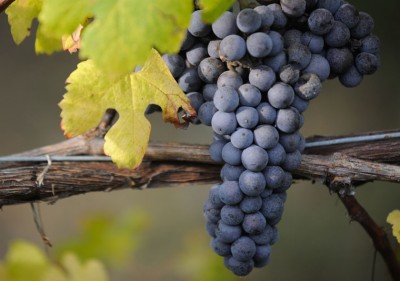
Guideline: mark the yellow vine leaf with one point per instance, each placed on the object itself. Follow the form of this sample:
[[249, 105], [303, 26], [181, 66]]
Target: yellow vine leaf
[[91, 91], [60, 17], [20, 16], [212, 9], [124, 31], [394, 219]]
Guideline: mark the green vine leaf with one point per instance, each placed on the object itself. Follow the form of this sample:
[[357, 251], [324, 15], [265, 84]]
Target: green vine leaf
[[90, 92], [212, 9], [124, 31], [394, 219], [24, 261], [20, 16]]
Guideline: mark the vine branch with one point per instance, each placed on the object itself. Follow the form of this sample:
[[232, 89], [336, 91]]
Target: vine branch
[[378, 235], [339, 165]]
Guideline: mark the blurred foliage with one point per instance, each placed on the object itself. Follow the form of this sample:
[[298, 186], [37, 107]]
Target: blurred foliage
[[111, 239], [394, 219], [25, 261], [199, 263]]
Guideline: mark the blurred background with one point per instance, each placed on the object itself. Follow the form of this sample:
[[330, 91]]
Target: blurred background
[[317, 242]]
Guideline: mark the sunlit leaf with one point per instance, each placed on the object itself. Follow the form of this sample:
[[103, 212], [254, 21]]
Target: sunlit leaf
[[394, 219], [90, 92], [124, 31], [25, 261], [20, 15]]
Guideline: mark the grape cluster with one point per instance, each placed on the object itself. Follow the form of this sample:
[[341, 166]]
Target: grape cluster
[[250, 75]]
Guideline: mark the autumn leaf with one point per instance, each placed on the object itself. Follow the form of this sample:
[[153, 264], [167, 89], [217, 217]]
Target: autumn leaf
[[212, 9], [90, 92]]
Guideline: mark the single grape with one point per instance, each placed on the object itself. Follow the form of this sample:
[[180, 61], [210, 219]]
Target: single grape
[[213, 196], [210, 69], [175, 64], [262, 256], [226, 99], [254, 223], [266, 113], [190, 81], [262, 77], [330, 5], [292, 161], [293, 8], [215, 150], [252, 183], [231, 154], [290, 142], [340, 59], [196, 99], [211, 212], [367, 63], [370, 44], [206, 112], [242, 138], [308, 87], [274, 176], [228, 233], [225, 25], [267, 16], [364, 26], [243, 249], [209, 91], [351, 78], [289, 74], [220, 248], [197, 27], [266, 136], [259, 44], [265, 237], [238, 267], [338, 36], [319, 65], [277, 42], [196, 54], [272, 207], [230, 78], [247, 117], [280, 95], [231, 215], [276, 62], [232, 48], [210, 228], [248, 20], [223, 123], [280, 19], [249, 95], [251, 204], [299, 55], [230, 193], [254, 158], [300, 104], [231, 173], [288, 120], [348, 15], [276, 155], [320, 21]]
